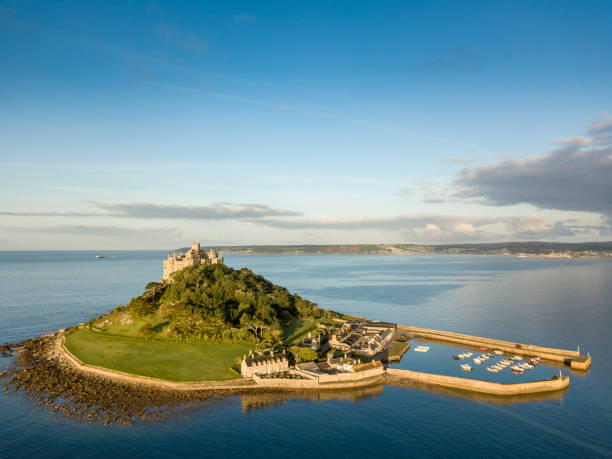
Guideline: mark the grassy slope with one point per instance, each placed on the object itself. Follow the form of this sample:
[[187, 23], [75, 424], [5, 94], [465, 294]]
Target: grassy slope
[[157, 359]]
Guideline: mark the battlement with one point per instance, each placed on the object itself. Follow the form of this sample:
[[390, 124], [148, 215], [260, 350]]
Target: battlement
[[193, 257]]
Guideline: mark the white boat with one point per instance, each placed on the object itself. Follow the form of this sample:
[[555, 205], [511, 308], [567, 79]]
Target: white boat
[[506, 362], [421, 349], [492, 370], [526, 366], [477, 361], [469, 354], [484, 357], [498, 352], [517, 369], [497, 367], [466, 367], [516, 357]]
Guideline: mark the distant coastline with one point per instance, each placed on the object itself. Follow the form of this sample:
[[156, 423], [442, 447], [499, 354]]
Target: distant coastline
[[515, 249]]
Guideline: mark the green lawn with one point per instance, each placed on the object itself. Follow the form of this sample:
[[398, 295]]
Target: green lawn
[[158, 359]]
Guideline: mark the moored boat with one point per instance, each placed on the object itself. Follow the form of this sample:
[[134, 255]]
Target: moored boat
[[477, 361], [421, 349], [466, 367], [517, 369], [498, 352], [492, 370]]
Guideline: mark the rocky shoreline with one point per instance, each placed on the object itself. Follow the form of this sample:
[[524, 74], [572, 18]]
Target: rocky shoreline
[[38, 368]]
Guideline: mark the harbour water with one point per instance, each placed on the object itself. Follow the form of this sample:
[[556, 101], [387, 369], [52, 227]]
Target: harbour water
[[549, 302]]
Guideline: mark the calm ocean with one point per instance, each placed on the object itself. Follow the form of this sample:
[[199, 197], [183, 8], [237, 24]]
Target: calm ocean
[[557, 303]]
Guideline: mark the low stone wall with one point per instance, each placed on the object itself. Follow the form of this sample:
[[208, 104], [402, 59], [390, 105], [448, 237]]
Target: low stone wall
[[154, 382], [364, 378], [294, 384], [558, 355], [475, 385], [340, 381]]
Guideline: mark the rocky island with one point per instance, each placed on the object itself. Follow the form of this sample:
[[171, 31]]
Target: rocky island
[[206, 330]]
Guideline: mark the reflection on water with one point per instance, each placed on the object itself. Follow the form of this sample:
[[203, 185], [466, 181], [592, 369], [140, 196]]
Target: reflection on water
[[251, 402]]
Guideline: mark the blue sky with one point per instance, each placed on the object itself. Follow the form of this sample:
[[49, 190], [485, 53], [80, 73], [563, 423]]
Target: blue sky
[[151, 124]]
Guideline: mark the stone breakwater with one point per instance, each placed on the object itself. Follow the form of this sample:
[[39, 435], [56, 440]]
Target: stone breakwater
[[474, 385], [572, 358]]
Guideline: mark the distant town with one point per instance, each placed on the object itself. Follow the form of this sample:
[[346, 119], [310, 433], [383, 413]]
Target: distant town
[[515, 249]]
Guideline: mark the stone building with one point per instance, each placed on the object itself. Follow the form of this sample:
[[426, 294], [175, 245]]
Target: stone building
[[264, 364], [193, 257], [313, 342]]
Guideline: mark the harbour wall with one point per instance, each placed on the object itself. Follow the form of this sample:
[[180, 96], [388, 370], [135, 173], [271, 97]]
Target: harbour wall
[[475, 385], [556, 355], [339, 381], [581, 364], [373, 376]]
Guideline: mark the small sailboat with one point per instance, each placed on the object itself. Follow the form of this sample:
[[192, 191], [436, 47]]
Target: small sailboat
[[421, 349], [498, 352], [466, 367], [484, 349], [517, 369], [516, 357], [477, 361], [100, 256], [492, 369], [456, 357]]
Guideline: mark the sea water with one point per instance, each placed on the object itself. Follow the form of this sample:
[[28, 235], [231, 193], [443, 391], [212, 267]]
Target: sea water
[[549, 302]]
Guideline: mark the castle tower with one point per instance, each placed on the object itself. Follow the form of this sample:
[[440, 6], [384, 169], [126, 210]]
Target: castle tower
[[193, 257]]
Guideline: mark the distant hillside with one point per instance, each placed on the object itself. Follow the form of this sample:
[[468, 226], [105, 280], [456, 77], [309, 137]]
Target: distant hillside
[[535, 248]]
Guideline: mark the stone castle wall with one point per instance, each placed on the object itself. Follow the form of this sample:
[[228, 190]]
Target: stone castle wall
[[193, 257]]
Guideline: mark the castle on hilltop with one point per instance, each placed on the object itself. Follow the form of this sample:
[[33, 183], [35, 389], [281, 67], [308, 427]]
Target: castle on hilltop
[[193, 257]]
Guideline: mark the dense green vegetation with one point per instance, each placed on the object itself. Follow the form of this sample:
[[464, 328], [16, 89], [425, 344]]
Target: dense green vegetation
[[214, 303], [156, 358], [303, 354]]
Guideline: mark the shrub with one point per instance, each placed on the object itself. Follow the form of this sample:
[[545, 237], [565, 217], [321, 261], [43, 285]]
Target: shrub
[[145, 330]]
